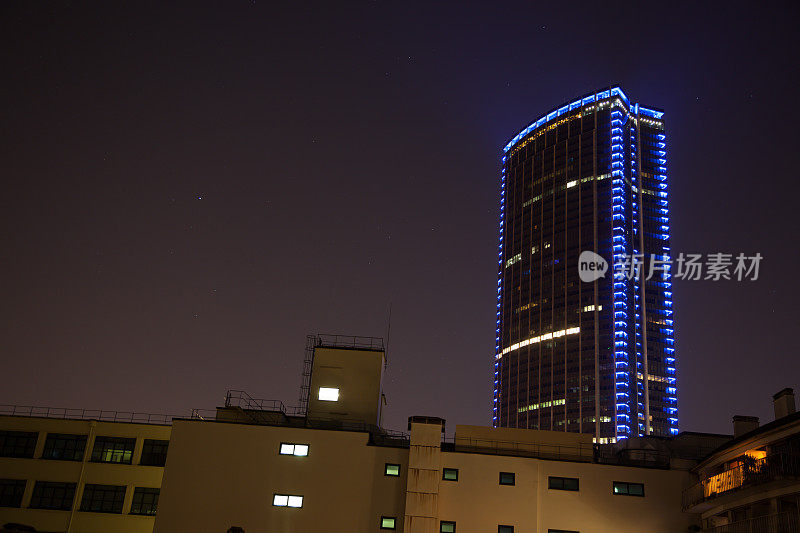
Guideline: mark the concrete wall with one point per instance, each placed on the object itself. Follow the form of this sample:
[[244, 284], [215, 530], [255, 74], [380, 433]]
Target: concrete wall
[[38, 469], [357, 374], [231, 472]]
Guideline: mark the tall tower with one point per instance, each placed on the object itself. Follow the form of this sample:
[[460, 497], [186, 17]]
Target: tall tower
[[592, 357]]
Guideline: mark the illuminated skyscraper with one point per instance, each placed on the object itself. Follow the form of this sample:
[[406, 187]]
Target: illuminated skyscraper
[[591, 357]]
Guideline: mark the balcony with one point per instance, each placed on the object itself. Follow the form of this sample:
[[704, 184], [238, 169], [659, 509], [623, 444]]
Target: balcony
[[750, 473], [776, 523]]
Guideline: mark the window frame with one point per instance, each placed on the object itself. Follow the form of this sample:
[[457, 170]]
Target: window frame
[[18, 444], [504, 528], [68, 442], [550, 486], [294, 446], [68, 488], [93, 489], [386, 470], [97, 455], [288, 496], [146, 459], [443, 523], [10, 492], [627, 492], [394, 523], [444, 474], [143, 492], [513, 478]]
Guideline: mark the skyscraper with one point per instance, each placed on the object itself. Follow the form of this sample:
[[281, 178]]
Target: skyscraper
[[592, 357]]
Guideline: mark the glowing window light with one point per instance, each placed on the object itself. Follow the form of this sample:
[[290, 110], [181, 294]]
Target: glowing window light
[[298, 450], [286, 500], [540, 338], [328, 394]]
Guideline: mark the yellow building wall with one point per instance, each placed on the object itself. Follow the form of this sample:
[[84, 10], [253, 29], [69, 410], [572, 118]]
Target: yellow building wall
[[478, 503], [221, 474], [81, 473]]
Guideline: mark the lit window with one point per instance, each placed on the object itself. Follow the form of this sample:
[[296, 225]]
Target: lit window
[[450, 474], [507, 478], [628, 489], [328, 394], [285, 500], [447, 527], [391, 470], [563, 483], [388, 522], [299, 450]]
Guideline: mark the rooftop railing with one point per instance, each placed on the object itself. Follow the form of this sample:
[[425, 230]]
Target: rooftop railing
[[86, 414], [749, 473], [349, 341]]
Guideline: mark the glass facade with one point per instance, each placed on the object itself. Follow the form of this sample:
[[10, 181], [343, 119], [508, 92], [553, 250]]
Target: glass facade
[[592, 357]]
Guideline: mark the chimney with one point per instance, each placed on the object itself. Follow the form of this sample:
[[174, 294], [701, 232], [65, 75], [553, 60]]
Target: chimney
[[744, 424], [784, 403]]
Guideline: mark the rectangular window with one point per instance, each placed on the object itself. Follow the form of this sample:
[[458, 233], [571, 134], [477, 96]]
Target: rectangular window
[[328, 394], [562, 531], [388, 522], [154, 452], [145, 501], [52, 495], [11, 491], [103, 498], [113, 450], [450, 474], [447, 527], [391, 470], [64, 447], [563, 483], [505, 529], [286, 500], [299, 450], [628, 489], [507, 478], [18, 443]]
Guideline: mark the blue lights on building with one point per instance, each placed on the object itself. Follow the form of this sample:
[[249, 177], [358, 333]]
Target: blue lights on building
[[631, 171]]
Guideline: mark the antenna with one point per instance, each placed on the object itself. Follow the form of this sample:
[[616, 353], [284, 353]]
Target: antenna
[[388, 332]]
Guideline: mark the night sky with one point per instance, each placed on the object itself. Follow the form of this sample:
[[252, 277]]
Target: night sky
[[190, 190]]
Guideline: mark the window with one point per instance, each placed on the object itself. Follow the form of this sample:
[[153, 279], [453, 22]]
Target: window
[[388, 522], [64, 447], [145, 501], [507, 478], [328, 394], [52, 495], [628, 489], [103, 498], [113, 450], [299, 450], [447, 527], [391, 470], [154, 452], [563, 483], [11, 491], [450, 474], [18, 443], [505, 529], [285, 500], [561, 531]]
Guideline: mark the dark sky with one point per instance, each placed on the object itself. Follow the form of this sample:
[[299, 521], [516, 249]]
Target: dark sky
[[191, 189]]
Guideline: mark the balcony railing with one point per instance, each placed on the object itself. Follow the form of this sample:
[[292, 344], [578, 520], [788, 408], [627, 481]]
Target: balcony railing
[[776, 523], [748, 474]]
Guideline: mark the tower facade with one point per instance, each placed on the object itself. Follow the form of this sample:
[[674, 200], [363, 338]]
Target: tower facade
[[586, 356]]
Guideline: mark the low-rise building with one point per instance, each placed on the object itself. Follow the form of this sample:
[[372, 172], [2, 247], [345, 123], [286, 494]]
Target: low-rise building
[[81, 471]]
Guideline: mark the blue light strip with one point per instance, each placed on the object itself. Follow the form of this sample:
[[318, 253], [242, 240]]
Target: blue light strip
[[668, 332], [544, 119], [619, 247], [497, 348]]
